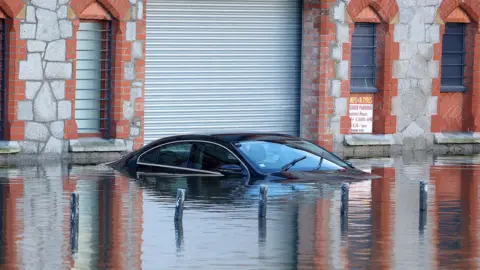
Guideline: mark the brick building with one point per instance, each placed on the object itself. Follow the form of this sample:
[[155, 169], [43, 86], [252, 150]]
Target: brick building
[[105, 75]]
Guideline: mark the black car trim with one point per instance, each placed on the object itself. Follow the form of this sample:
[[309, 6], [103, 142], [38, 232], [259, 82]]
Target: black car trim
[[174, 174], [189, 169]]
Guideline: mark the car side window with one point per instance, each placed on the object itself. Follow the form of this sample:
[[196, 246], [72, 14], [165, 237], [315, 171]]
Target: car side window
[[177, 154], [211, 157]]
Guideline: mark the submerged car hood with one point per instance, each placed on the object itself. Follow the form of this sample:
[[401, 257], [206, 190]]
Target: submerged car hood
[[350, 175]]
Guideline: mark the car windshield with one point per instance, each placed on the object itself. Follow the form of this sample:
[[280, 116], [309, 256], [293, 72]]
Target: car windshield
[[268, 156]]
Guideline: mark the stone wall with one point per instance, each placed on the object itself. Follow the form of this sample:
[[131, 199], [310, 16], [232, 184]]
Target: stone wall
[[410, 113], [43, 107]]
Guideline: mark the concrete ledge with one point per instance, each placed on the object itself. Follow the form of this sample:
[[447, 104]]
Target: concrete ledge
[[97, 145], [369, 139], [9, 147], [457, 138]]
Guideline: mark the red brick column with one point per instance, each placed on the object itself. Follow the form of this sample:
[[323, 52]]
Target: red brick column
[[17, 51], [318, 70]]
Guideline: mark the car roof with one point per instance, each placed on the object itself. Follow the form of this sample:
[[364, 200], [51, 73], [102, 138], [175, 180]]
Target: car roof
[[231, 136]]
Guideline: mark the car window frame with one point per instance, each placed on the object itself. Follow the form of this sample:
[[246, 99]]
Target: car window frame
[[198, 148], [213, 173]]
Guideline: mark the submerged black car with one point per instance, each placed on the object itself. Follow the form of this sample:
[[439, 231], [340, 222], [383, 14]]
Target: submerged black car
[[250, 156]]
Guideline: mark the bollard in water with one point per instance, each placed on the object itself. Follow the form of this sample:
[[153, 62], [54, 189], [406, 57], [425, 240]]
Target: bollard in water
[[262, 206], [74, 219], [179, 204], [179, 234], [423, 196], [345, 191]]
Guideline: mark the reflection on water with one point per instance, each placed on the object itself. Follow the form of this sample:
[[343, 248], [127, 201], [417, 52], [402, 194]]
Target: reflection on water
[[128, 224]]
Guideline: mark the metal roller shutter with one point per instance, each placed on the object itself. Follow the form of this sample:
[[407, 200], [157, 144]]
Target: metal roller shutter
[[222, 65]]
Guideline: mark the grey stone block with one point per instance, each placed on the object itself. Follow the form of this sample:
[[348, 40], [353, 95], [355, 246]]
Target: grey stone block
[[36, 46], [27, 30], [134, 131], [343, 32], [412, 131], [128, 110], [47, 29], [29, 147], [131, 32], [62, 12], [339, 12], [137, 84], [53, 146], [56, 51], [400, 69], [457, 138], [36, 132], [432, 105], [57, 129], [66, 28], [30, 16], [25, 110], [341, 105], [433, 33], [429, 14], [47, 4], [97, 145], [135, 93], [341, 70], [336, 88], [140, 10], [31, 89], [44, 105], [401, 32], [31, 69], [58, 89], [137, 49], [337, 52], [129, 71], [369, 139], [408, 50], [58, 70], [64, 110]]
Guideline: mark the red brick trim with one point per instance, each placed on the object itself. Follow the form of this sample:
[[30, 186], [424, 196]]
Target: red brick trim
[[469, 6], [463, 113], [120, 88], [118, 8], [383, 12], [11, 8], [15, 88]]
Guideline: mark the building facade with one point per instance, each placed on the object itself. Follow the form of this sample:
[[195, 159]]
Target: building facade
[[358, 77]]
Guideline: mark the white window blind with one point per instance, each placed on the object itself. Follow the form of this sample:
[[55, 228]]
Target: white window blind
[[91, 82]]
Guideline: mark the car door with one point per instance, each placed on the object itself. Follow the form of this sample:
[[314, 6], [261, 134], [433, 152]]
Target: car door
[[169, 159], [211, 157]]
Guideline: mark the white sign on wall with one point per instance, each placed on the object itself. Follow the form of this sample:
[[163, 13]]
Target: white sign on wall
[[361, 114]]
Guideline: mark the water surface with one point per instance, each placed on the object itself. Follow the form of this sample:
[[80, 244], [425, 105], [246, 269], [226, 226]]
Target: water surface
[[128, 224]]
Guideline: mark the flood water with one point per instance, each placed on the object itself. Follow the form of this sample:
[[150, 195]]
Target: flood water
[[128, 224]]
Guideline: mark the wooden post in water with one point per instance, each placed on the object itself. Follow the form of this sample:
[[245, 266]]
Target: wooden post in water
[[423, 195], [262, 206], [74, 219], [345, 191], [179, 204]]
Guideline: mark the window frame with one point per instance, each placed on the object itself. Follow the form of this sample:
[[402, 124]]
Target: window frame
[[213, 173], [454, 88], [366, 89], [105, 81]]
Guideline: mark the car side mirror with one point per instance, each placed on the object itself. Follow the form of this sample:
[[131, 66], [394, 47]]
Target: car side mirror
[[231, 169]]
